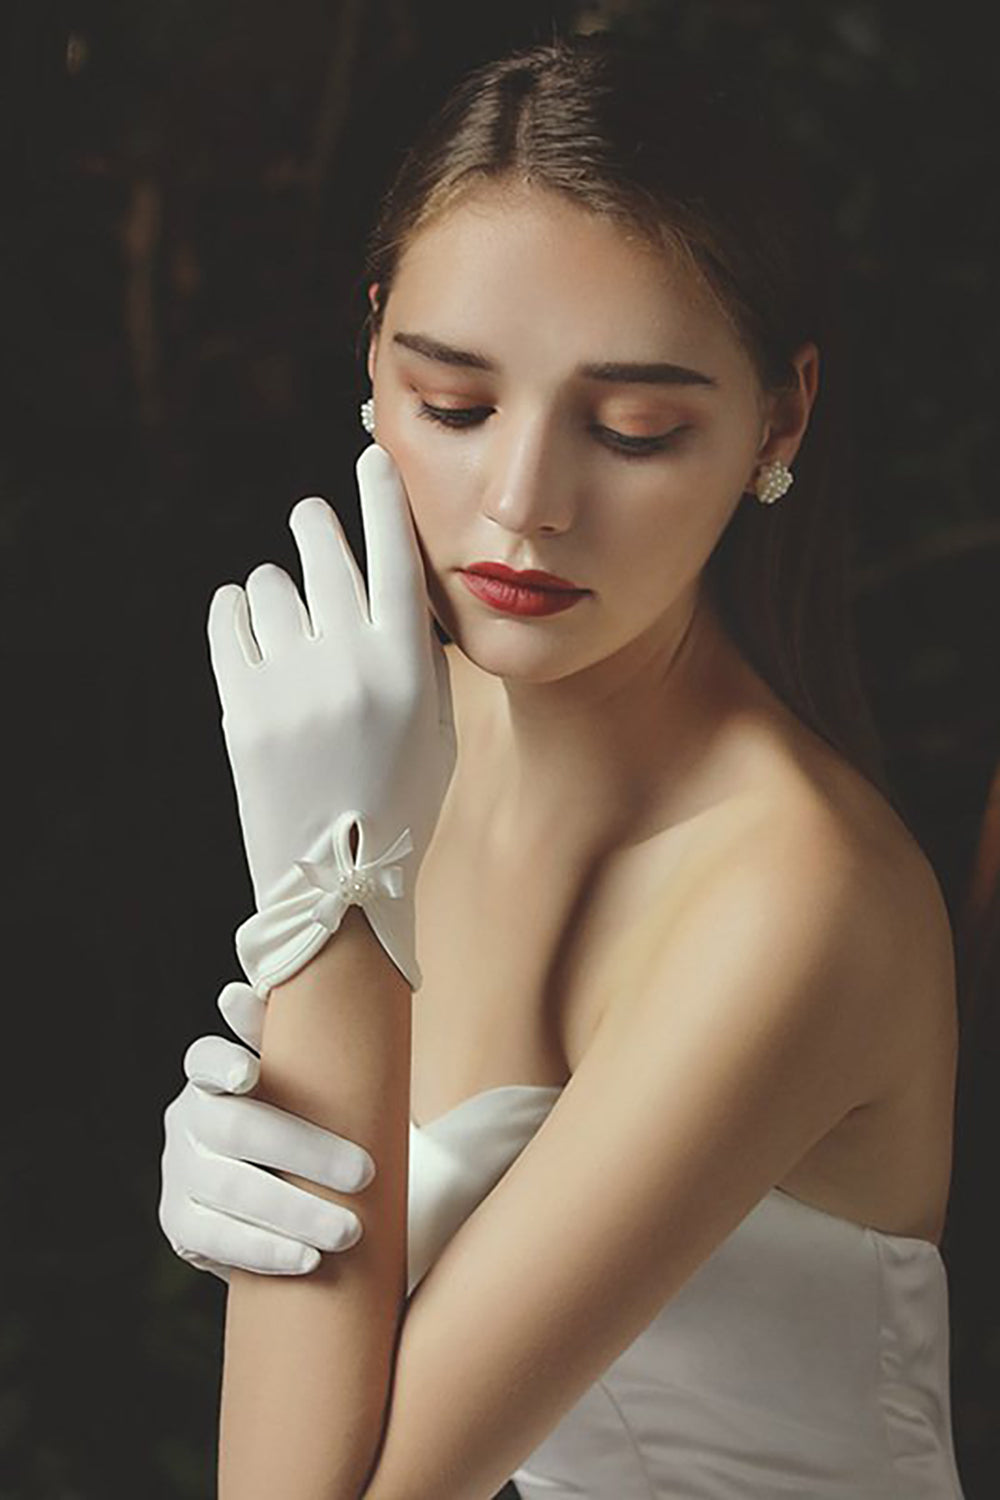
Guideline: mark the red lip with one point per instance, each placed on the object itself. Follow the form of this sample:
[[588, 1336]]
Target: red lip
[[530, 577], [520, 598]]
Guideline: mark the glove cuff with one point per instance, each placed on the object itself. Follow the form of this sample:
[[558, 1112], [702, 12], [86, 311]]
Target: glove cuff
[[306, 906]]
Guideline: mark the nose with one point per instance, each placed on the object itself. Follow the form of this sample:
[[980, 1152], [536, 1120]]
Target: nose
[[531, 484]]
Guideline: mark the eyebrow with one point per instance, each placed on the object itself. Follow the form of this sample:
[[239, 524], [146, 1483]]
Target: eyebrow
[[613, 372]]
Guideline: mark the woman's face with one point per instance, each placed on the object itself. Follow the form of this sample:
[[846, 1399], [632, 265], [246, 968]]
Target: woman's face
[[540, 473]]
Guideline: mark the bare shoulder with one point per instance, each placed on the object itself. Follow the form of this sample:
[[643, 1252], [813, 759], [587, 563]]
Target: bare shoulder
[[898, 914], [805, 850], [818, 838], [864, 898]]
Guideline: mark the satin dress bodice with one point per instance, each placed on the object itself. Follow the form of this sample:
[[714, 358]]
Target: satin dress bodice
[[808, 1356]]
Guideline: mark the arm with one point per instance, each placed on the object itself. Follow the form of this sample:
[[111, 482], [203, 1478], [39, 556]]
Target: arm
[[728, 1060], [338, 724], [308, 1360]]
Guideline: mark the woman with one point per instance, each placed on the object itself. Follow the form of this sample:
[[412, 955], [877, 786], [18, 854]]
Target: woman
[[663, 1164]]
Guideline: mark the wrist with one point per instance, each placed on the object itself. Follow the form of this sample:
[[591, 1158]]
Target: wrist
[[351, 956]]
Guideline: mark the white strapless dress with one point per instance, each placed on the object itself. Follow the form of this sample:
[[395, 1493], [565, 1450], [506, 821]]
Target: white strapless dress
[[807, 1357]]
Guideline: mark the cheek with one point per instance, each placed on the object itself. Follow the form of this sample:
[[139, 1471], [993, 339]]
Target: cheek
[[431, 491], [671, 530]]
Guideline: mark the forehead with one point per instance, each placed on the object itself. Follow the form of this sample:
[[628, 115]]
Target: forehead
[[524, 265]]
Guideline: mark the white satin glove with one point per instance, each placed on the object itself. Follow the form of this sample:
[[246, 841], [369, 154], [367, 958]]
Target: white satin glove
[[218, 1207], [335, 715]]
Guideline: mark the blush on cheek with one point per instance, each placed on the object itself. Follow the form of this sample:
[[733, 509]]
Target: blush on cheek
[[433, 522]]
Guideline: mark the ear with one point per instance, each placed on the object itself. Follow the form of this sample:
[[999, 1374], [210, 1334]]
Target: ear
[[373, 343], [788, 411]]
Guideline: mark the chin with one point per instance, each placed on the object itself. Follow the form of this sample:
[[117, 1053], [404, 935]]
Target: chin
[[521, 654]]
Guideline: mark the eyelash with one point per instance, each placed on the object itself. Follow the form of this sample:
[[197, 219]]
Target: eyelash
[[458, 418]]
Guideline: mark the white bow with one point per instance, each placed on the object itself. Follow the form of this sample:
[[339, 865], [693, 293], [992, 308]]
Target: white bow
[[306, 905], [346, 882]]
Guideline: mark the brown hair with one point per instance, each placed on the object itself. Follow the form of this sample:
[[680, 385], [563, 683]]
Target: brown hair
[[689, 162]]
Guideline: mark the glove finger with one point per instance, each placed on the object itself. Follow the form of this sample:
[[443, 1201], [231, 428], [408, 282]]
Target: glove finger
[[395, 568], [244, 1011], [245, 1247], [202, 1263], [251, 1196], [280, 619], [252, 1130], [220, 1066], [335, 588], [230, 638]]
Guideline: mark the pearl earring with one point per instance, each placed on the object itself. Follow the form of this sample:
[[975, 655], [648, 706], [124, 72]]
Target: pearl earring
[[368, 415], [772, 482]]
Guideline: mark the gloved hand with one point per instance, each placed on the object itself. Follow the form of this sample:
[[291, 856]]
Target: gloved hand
[[334, 716], [218, 1207]]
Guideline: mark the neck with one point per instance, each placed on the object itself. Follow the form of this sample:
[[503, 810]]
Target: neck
[[595, 750]]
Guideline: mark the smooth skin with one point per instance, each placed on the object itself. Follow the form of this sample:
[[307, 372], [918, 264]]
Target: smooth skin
[[609, 726], [754, 959], [604, 699]]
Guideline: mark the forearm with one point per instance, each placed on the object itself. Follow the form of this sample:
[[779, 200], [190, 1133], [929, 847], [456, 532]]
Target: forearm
[[308, 1360]]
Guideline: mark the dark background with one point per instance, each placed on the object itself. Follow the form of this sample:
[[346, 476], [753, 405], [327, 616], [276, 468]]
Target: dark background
[[186, 188]]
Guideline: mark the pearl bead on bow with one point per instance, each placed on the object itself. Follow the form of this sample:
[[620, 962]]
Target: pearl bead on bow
[[345, 883]]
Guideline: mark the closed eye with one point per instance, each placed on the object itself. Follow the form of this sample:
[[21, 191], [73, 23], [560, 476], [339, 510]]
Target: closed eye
[[461, 417]]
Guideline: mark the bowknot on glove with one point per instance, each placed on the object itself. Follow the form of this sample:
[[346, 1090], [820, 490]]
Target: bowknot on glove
[[349, 882], [307, 905]]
